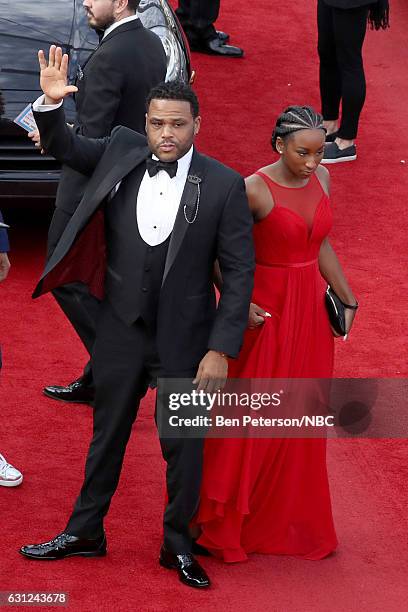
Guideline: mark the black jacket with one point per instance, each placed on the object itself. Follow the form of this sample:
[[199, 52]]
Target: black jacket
[[188, 321], [115, 81]]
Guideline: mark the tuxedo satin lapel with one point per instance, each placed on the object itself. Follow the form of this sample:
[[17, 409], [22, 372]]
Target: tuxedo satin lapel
[[90, 56], [103, 181], [82, 68], [100, 185], [197, 168]]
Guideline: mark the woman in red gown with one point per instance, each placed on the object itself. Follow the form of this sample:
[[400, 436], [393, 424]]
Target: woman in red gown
[[272, 495]]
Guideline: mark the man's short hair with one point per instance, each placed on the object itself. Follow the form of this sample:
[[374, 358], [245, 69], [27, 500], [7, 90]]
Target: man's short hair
[[133, 5], [175, 90]]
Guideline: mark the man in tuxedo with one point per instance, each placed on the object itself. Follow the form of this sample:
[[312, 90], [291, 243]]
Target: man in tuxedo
[[198, 18], [166, 213], [112, 90]]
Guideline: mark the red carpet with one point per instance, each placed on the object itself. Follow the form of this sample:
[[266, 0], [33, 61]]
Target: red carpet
[[240, 100]]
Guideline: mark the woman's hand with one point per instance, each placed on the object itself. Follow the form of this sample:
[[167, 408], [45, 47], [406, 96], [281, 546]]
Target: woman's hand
[[349, 315], [256, 316]]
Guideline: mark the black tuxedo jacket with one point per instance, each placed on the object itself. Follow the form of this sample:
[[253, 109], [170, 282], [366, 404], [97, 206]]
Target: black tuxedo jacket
[[115, 81], [188, 321], [112, 91]]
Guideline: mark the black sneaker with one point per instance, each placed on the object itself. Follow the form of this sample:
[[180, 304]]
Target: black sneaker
[[334, 155]]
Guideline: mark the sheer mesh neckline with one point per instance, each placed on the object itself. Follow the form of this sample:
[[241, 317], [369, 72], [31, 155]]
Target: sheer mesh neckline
[[301, 200]]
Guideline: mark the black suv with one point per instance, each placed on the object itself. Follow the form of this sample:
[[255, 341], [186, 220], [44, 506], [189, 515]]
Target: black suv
[[25, 27]]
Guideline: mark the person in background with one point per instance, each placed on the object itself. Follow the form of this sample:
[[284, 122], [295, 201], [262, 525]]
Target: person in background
[[112, 88], [342, 26], [9, 475], [197, 19]]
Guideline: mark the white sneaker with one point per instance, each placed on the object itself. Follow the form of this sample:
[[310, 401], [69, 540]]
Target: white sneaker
[[9, 475]]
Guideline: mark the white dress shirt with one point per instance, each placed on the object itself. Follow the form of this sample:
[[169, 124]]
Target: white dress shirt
[[117, 24], [40, 107], [158, 201]]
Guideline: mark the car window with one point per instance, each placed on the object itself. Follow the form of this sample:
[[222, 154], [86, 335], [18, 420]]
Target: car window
[[43, 19], [25, 27]]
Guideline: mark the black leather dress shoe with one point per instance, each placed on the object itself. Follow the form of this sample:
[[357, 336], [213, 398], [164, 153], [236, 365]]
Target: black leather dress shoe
[[77, 392], [223, 36], [189, 570], [197, 549], [215, 46], [65, 545]]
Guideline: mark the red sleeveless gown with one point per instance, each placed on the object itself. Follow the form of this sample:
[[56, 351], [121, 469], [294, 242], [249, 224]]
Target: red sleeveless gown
[[272, 495]]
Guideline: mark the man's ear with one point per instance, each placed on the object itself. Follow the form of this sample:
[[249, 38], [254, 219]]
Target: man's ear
[[122, 5], [197, 125]]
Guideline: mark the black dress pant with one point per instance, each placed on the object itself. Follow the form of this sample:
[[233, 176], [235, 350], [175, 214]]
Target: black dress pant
[[125, 362], [197, 18], [82, 310], [341, 34]]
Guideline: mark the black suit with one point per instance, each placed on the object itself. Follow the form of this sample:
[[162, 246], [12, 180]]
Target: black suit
[[132, 348], [198, 17], [112, 90]]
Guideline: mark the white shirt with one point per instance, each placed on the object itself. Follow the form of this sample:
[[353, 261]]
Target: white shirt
[[159, 196], [40, 107], [118, 23], [158, 201]]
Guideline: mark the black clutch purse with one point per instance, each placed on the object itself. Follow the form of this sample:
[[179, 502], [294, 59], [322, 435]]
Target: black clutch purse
[[335, 308]]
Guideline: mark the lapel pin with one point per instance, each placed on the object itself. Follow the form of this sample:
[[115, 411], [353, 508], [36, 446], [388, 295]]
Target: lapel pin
[[193, 180]]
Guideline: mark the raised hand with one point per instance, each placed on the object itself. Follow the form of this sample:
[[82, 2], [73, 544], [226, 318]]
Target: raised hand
[[53, 75]]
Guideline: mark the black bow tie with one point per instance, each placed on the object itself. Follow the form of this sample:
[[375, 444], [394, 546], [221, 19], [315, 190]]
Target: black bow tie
[[155, 165]]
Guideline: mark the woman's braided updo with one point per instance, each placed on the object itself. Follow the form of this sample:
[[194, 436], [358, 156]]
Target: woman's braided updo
[[295, 118]]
